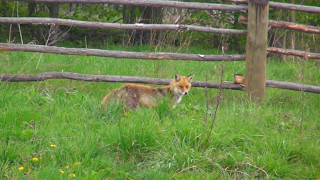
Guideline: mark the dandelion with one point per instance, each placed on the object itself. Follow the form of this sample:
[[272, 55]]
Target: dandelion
[[61, 171], [21, 168], [53, 145], [77, 163], [67, 167], [72, 175], [153, 167], [35, 159]]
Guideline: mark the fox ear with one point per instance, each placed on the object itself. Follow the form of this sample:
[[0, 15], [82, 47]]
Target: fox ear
[[177, 77], [190, 77]]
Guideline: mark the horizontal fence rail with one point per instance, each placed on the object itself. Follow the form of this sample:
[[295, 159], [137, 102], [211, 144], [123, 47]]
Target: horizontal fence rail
[[287, 6], [293, 86], [175, 4], [100, 25], [295, 7], [287, 25], [148, 56], [108, 78], [188, 5], [118, 54], [135, 79], [292, 52]]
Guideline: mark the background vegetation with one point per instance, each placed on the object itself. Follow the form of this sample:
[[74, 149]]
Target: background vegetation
[[81, 37], [57, 130]]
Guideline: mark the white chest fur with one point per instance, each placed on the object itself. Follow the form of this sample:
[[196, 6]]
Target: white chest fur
[[177, 100]]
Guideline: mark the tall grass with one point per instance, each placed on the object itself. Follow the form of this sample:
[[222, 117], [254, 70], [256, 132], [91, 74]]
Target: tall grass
[[248, 141]]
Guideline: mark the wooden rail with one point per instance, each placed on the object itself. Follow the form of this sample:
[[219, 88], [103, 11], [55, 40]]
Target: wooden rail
[[188, 5], [287, 25], [146, 80], [107, 78], [149, 56], [293, 52], [287, 6], [118, 54], [175, 4], [100, 25]]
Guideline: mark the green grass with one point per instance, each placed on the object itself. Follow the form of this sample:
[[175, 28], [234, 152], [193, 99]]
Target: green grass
[[248, 141]]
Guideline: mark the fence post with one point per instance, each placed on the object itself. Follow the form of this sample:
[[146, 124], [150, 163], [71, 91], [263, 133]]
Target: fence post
[[256, 49]]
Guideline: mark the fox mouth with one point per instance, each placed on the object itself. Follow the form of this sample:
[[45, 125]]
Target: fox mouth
[[181, 94]]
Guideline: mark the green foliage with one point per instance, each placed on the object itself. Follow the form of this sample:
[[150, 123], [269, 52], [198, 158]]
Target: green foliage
[[62, 124], [92, 12], [301, 17], [253, 141], [97, 38]]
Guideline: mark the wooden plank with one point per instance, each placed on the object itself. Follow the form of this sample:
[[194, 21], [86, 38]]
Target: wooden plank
[[146, 80], [295, 7], [287, 6], [100, 25], [256, 49], [293, 86], [287, 25], [175, 4], [107, 78], [118, 54], [292, 52]]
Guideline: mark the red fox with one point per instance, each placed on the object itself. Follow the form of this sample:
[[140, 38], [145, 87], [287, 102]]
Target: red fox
[[134, 95]]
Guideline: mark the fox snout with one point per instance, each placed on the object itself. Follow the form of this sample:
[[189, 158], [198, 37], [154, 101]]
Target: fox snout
[[184, 92]]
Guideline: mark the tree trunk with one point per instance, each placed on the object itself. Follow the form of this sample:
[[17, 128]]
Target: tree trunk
[[151, 16], [292, 33], [284, 42], [145, 15], [31, 8], [129, 17], [54, 10], [5, 7]]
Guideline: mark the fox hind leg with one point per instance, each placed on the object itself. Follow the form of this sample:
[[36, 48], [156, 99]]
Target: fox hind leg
[[131, 101]]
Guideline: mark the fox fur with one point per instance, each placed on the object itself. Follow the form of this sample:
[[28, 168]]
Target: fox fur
[[134, 95]]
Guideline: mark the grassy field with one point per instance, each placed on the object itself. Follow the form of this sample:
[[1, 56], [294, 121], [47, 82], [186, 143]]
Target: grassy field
[[56, 129]]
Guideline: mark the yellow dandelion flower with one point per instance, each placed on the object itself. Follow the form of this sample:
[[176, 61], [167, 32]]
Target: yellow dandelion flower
[[72, 175], [21, 168], [77, 163], [67, 167], [35, 159], [53, 145], [153, 167], [61, 171]]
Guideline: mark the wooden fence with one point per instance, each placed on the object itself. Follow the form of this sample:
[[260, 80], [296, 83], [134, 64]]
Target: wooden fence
[[256, 48], [134, 79]]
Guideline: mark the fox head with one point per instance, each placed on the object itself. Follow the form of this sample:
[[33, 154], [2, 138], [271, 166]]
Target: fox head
[[181, 84]]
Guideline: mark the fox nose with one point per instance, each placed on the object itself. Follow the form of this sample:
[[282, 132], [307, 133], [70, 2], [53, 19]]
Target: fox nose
[[186, 93]]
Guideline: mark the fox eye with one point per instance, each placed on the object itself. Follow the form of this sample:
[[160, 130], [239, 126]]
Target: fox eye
[[181, 87], [187, 87]]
